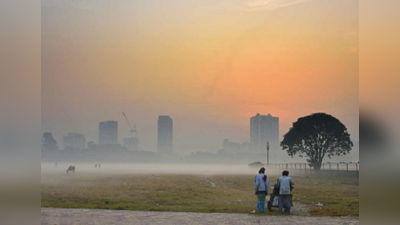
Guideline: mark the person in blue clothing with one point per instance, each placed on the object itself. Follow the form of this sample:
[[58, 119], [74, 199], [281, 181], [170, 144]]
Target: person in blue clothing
[[261, 185]]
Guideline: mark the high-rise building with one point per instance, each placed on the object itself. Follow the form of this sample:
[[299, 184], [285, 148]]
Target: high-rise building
[[108, 132], [264, 129], [75, 141], [165, 134]]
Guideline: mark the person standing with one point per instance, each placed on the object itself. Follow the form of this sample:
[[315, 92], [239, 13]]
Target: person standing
[[261, 185], [285, 199]]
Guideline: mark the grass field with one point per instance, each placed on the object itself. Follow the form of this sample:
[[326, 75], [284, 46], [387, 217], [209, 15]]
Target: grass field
[[192, 193]]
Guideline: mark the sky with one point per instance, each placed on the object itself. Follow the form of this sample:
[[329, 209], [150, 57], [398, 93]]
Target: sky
[[210, 65]]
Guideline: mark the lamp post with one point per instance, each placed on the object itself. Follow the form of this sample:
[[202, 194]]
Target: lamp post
[[267, 152]]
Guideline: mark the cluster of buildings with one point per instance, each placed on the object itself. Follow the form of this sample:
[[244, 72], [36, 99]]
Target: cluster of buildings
[[108, 136], [263, 129]]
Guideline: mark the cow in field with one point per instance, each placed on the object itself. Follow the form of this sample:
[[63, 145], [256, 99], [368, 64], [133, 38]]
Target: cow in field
[[71, 168]]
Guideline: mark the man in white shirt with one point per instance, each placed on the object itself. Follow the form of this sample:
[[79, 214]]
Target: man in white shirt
[[285, 199]]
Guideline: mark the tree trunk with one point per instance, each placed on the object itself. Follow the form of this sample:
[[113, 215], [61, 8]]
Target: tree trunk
[[317, 166]]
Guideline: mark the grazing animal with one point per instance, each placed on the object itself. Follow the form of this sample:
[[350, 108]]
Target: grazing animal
[[71, 168]]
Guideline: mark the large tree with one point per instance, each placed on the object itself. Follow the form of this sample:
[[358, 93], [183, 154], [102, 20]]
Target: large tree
[[316, 136]]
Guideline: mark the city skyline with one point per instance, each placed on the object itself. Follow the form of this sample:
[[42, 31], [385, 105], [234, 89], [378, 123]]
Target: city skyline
[[260, 122], [221, 64]]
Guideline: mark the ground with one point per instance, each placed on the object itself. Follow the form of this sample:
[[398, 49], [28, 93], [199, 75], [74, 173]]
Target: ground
[[207, 193], [84, 216]]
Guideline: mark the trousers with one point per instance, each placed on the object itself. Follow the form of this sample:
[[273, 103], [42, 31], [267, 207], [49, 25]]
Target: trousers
[[285, 201], [261, 202]]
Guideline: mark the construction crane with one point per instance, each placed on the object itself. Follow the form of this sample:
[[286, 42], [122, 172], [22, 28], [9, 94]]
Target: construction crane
[[133, 129]]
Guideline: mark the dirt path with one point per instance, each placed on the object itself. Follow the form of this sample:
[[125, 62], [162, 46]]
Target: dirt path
[[86, 216]]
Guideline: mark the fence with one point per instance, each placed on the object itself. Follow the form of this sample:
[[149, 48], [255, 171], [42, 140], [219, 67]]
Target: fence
[[333, 169]]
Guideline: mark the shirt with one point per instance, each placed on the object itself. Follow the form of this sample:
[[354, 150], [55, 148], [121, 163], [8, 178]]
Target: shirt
[[285, 183], [260, 184]]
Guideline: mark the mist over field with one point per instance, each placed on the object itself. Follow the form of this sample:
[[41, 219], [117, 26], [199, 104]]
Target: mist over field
[[114, 168]]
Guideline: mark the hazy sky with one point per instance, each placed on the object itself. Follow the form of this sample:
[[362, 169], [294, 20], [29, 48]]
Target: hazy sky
[[209, 64]]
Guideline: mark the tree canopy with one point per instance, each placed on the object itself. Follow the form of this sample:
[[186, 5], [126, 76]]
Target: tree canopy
[[316, 136]]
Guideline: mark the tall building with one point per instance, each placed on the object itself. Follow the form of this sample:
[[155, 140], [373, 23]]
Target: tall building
[[108, 132], [165, 134], [74, 140], [264, 129]]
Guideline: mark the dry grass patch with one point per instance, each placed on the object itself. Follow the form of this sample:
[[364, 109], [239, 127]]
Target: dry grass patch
[[189, 193]]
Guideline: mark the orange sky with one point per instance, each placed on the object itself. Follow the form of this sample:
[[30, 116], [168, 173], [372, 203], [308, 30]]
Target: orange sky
[[210, 65]]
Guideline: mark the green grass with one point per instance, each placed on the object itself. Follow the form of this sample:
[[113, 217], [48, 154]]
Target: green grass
[[191, 193]]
